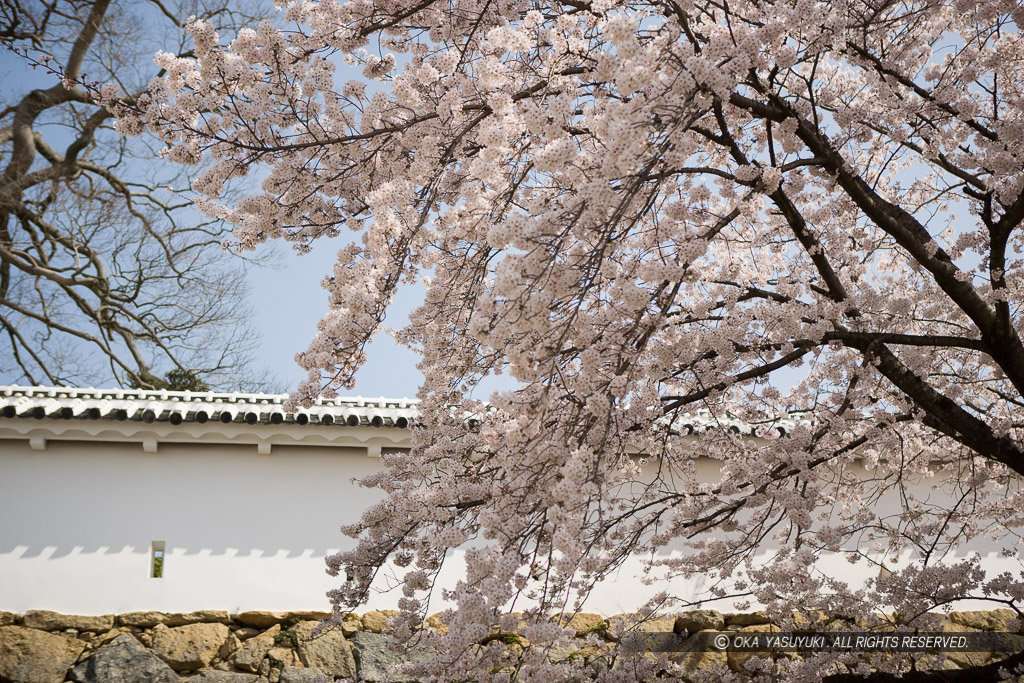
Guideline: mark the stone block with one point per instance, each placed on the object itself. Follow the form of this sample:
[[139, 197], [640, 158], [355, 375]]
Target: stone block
[[985, 620], [28, 655], [376, 621], [747, 619], [328, 651], [124, 660], [141, 619], [254, 649], [189, 647], [206, 616], [259, 619], [298, 674], [373, 657], [699, 620], [44, 620], [212, 676]]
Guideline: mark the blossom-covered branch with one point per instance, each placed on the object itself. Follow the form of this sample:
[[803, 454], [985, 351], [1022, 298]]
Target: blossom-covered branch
[[798, 216]]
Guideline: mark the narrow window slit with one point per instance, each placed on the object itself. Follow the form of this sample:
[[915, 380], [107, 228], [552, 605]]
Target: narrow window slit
[[157, 560]]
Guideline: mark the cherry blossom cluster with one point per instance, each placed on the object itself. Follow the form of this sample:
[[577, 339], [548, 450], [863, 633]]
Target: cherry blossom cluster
[[798, 220]]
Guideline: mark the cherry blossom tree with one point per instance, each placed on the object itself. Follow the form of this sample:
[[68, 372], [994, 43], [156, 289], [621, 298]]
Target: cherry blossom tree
[[106, 270], [800, 217]]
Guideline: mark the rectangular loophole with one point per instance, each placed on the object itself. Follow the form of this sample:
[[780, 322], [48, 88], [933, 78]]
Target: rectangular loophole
[[156, 563]]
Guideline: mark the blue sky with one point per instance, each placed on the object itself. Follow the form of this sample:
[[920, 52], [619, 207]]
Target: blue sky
[[288, 299]]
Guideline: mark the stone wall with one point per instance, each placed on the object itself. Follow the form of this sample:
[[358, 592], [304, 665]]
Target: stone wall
[[276, 647]]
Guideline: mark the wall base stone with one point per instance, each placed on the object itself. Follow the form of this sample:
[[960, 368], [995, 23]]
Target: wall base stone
[[211, 646], [34, 656]]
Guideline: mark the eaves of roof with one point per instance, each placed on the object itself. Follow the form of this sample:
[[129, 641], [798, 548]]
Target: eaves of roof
[[176, 407]]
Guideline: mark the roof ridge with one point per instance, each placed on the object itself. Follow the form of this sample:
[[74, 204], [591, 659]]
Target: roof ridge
[[170, 395]]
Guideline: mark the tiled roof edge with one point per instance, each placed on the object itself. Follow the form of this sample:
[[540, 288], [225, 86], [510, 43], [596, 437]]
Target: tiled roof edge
[[191, 406]]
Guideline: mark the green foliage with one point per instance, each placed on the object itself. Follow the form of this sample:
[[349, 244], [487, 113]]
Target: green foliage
[[158, 567], [289, 637], [510, 638], [287, 634], [175, 380], [185, 380]]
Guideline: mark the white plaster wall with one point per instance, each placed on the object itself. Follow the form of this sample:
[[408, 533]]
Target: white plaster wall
[[243, 531]]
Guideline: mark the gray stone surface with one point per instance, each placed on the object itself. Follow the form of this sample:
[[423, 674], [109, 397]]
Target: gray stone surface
[[298, 674], [373, 657], [123, 660], [328, 651], [212, 676], [230, 646], [253, 651], [30, 656]]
